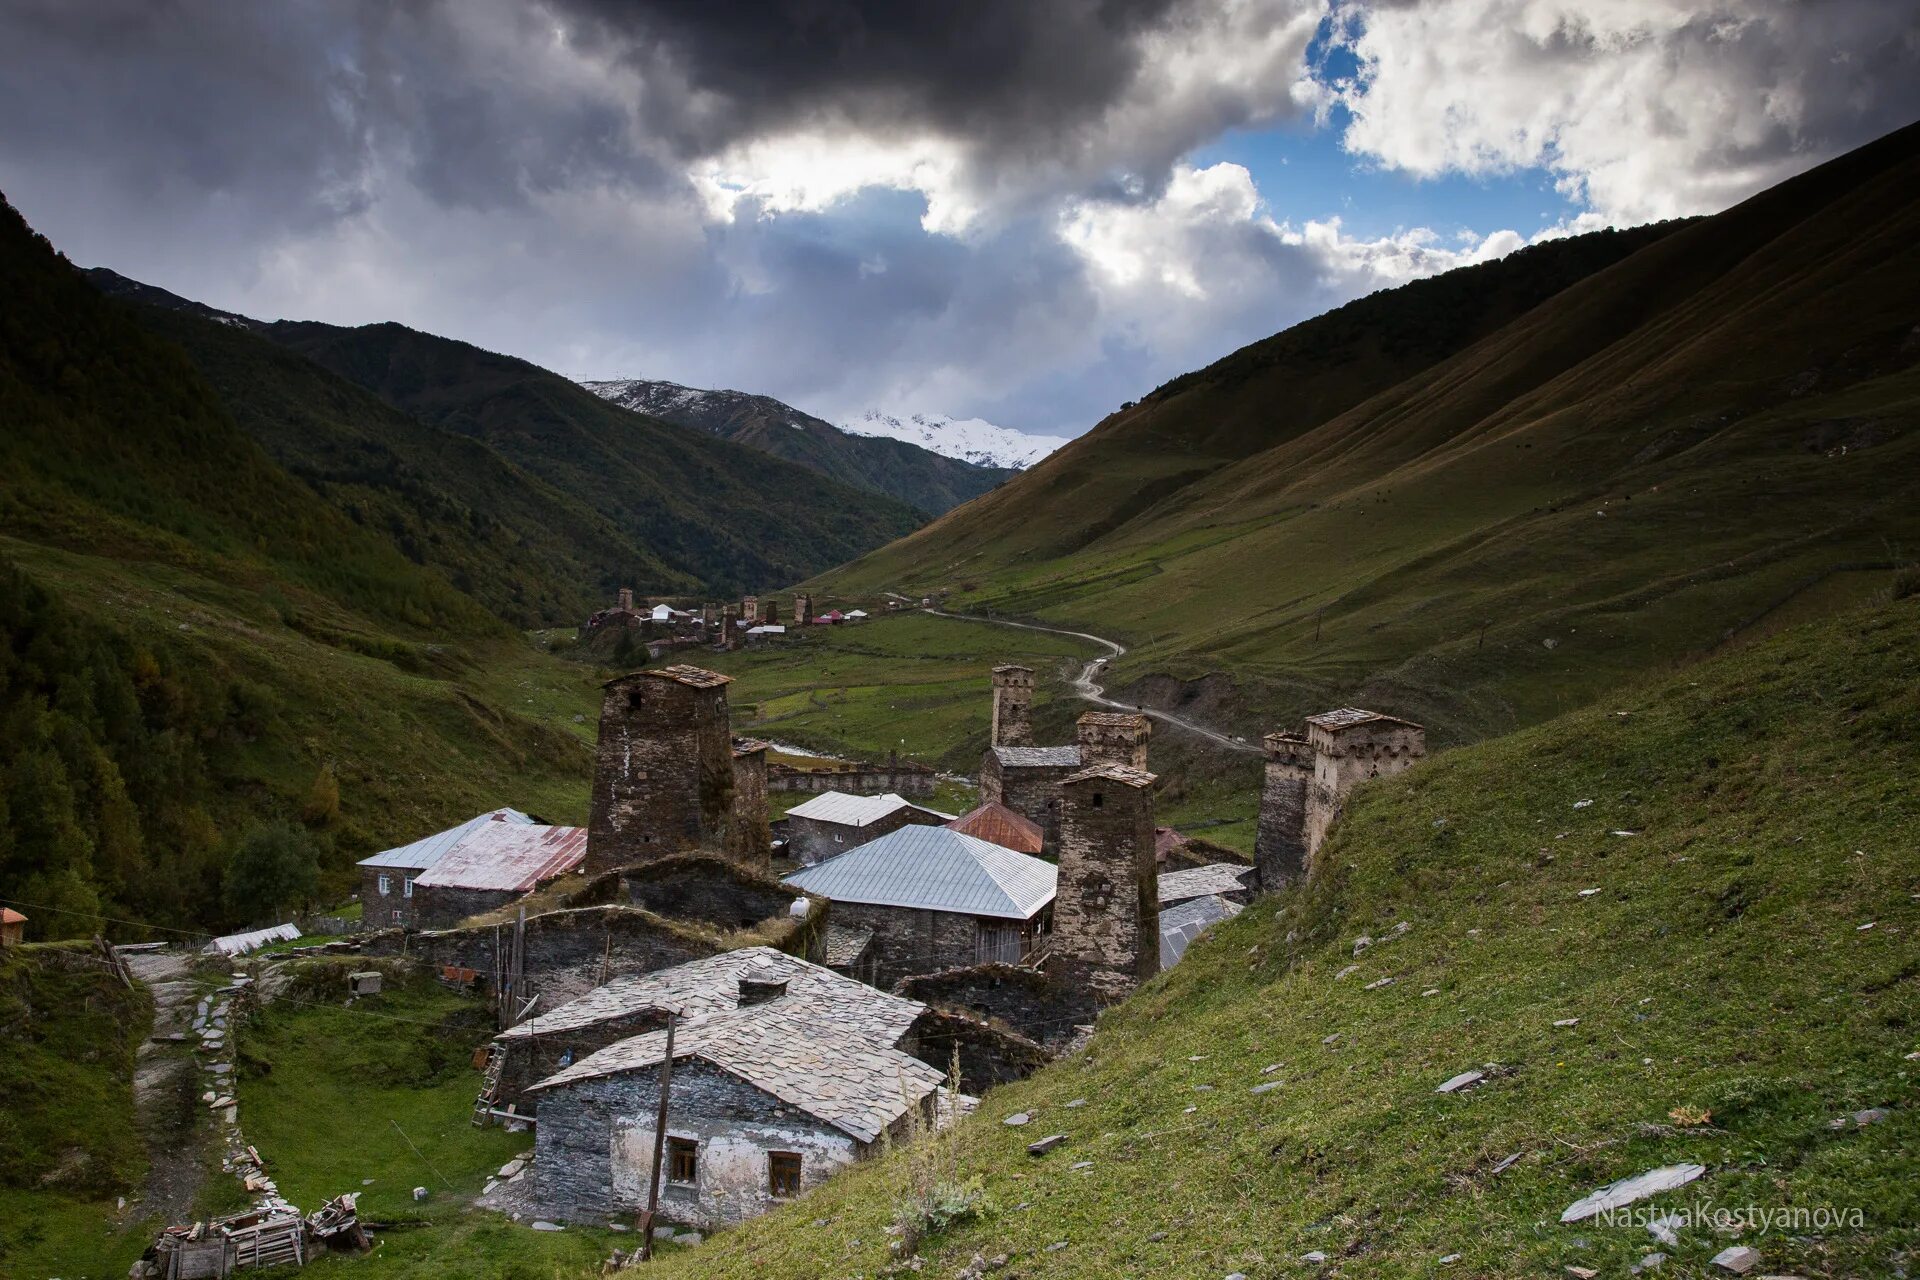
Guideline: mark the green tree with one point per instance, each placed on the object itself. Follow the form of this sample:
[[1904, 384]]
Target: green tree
[[322, 808], [276, 867]]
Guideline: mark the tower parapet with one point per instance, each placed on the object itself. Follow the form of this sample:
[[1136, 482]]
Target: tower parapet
[[1114, 737]]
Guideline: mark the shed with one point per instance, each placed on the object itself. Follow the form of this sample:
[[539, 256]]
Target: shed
[[13, 927]]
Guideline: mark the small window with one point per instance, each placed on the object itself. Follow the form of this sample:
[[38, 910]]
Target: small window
[[783, 1174], [1098, 800], [838, 838], [406, 889], [386, 886], [683, 1159]]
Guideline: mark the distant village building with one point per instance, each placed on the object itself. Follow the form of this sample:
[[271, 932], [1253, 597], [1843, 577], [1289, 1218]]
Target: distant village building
[[1012, 706], [997, 824], [13, 927], [750, 610], [834, 822], [856, 615], [934, 899], [1106, 928], [493, 864], [763, 635], [802, 609], [1309, 778], [387, 879], [783, 1073], [663, 769]]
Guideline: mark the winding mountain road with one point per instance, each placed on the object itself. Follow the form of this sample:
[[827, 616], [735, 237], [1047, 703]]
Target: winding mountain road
[[1088, 689]]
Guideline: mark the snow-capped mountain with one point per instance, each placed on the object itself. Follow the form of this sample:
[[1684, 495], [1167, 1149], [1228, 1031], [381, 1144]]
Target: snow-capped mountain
[[972, 440]]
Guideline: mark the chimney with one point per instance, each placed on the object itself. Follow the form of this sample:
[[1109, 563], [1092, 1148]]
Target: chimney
[[761, 983]]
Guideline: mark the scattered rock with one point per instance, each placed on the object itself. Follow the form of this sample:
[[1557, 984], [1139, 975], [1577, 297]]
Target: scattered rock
[[1583, 804], [1431, 991], [1187, 1111], [1315, 1257], [1017, 1119], [1378, 983], [366, 1182], [1662, 1229], [1079, 1165], [1506, 1164], [1344, 972], [1078, 1102], [1268, 1087], [663, 1233], [1465, 1079], [511, 1168], [1269, 1070], [1237, 1275], [1739, 1259], [1361, 943], [1448, 1260], [1582, 1273], [1330, 1038], [1203, 1088], [1872, 1115], [541, 1224], [1156, 1237], [1567, 1022], [419, 1193], [1652, 1262], [1627, 1190], [1056, 1246], [1588, 893], [689, 1238], [618, 1226], [1046, 1144]]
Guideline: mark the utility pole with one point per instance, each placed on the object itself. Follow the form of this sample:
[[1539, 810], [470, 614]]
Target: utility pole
[[659, 1147]]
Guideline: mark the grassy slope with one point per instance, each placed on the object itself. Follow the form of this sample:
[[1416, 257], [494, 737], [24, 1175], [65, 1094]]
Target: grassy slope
[[68, 1138], [718, 513], [1722, 965], [1644, 463]]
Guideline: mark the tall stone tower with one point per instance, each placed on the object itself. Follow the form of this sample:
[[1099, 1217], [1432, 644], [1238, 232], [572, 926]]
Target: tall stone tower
[[1012, 706], [749, 833], [750, 610], [663, 771], [1350, 746], [802, 609], [770, 613], [1280, 844], [626, 598], [1106, 911], [1114, 737]]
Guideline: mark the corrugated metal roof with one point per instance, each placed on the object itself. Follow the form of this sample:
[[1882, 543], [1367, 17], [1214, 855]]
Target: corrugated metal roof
[[427, 850], [507, 856], [935, 869], [1057, 757], [1200, 882], [9, 916], [239, 944], [848, 810], [1180, 925], [1002, 826]]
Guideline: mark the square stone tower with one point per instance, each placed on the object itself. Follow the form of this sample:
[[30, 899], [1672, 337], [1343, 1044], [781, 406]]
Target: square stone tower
[[802, 609], [1012, 706], [1106, 911], [749, 833], [1350, 746], [750, 610], [1114, 737], [626, 599], [663, 771], [1280, 843]]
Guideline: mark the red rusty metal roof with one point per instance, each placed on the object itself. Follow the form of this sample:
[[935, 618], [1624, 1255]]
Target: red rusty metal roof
[[997, 824], [514, 857], [9, 916]]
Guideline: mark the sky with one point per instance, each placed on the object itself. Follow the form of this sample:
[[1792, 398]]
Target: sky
[[1024, 212]]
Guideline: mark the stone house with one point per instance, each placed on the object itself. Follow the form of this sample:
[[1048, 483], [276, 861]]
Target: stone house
[[1027, 781], [783, 1073], [493, 864], [934, 899], [387, 879], [834, 822]]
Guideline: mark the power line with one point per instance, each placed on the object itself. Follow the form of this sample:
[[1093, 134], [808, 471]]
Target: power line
[[94, 915]]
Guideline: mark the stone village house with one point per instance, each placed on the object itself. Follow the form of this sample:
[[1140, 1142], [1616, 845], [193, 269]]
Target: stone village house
[[783, 1073], [387, 879], [834, 822], [493, 864]]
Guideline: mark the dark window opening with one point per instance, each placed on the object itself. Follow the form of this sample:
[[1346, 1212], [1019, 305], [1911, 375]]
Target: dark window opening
[[783, 1174], [683, 1159], [1098, 800]]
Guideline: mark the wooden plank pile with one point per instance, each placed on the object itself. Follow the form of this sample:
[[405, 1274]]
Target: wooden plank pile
[[274, 1236]]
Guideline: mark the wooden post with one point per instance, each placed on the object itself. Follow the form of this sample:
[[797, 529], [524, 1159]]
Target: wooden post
[[659, 1147]]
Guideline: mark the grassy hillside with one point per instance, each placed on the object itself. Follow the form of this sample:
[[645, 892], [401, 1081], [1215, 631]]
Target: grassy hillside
[[1739, 968], [919, 477], [197, 644], [708, 511], [1484, 499]]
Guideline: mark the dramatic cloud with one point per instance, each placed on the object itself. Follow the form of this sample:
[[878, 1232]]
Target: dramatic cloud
[[992, 209], [1644, 108]]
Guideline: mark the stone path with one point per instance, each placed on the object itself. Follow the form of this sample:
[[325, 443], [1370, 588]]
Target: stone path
[[166, 1085], [1088, 689]]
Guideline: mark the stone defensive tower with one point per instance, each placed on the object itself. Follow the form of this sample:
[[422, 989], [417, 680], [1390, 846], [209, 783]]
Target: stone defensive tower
[[1280, 844], [663, 771], [802, 609], [1350, 746], [749, 833], [750, 610], [1012, 706], [1106, 911], [626, 599], [1114, 737]]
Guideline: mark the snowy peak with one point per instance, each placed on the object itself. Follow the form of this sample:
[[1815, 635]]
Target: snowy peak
[[693, 406], [972, 440]]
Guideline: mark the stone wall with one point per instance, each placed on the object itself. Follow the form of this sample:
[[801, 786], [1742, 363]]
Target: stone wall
[[594, 1147], [1012, 706], [529, 1060], [1028, 1001], [663, 774], [907, 940], [1106, 915], [707, 888], [377, 910], [901, 777], [811, 841], [749, 832], [442, 907], [1280, 843], [989, 1053]]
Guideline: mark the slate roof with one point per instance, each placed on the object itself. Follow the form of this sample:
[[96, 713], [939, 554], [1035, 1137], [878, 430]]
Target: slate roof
[[1180, 925], [1112, 719], [1126, 775], [934, 869], [702, 987], [1348, 717], [1200, 882], [749, 746], [844, 945], [513, 857], [696, 677], [1038, 757], [1000, 825], [848, 810], [427, 850]]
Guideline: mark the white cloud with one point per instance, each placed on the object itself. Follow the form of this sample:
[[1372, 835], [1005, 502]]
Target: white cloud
[[1643, 108]]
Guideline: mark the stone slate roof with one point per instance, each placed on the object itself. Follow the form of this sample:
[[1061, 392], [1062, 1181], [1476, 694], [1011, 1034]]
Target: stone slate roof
[[1038, 757], [1124, 774], [828, 1046], [427, 850], [848, 810], [1200, 882], [934, 869], [1348, 717], [749, 746], [844, 944], [1180, 925], [1112, 719], [697, 677], [506, 856], [997, 824], [702, 987]]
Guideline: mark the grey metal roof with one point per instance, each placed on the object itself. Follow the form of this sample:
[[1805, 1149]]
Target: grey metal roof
[[1180, 925], [509, 856], [1031, 757], [935, 869], [848, 810], [1200, 882], [427, 850]]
